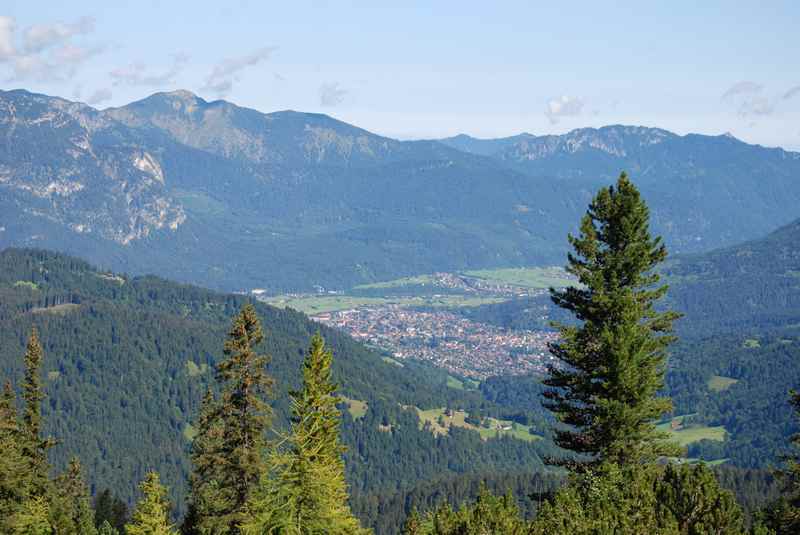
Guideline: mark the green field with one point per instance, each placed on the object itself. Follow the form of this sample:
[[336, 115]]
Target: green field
[[690, 434], [397, 283], [533, 277], [720, 383], [355, 407], [390, 360], [461, 384], [751, 343], [319, 304], [496, 428], [58, 310]]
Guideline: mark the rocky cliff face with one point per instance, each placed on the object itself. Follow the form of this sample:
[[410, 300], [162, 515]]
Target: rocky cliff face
[[74, 166]]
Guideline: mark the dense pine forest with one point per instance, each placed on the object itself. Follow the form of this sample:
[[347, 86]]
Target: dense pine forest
[[259, 436]]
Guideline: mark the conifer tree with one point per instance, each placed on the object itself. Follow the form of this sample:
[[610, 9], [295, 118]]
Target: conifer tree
[[612, 362], [32, 518], [488, 515], [209, 503], [151, 516], [34, 447], [690, 498], [14, 468], [107, 529], [109, 508], [305, 490], [70, 512], [228, 450]]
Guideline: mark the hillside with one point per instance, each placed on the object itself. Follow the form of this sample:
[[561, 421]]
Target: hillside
[[232, 198], [131, 357], [738, 349], [745, 288], [704, 191]]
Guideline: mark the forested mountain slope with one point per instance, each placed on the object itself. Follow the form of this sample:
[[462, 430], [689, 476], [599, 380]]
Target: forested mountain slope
[[231, 198], [703, 191], [738, 349], [748, 287], [127, 361]]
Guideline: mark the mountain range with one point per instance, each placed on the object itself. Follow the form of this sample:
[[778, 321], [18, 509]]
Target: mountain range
[[231, 198]]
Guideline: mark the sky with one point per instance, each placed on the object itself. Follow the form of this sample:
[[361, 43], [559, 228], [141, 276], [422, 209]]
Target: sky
[[430, 69]]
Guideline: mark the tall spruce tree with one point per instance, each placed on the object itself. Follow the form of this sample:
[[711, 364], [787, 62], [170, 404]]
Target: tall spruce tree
[[305, 490], [70, 510], [228, 452], [612, 362], [151, 516], [34, 447], [14, 468]]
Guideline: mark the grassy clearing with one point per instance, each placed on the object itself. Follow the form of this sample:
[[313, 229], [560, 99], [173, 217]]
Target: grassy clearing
[[313, 305], [440, 422], [194, 370], [720, 383], [685, 435], [58, 310], [189, 432], [695, 460], [355, 407], [390, 360], [751, 343], [534, 277], [26, 284], [461, 384], [200, 203], [397, 283]]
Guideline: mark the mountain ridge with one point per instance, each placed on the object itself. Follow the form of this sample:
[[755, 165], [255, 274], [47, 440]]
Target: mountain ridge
[[231, 198]]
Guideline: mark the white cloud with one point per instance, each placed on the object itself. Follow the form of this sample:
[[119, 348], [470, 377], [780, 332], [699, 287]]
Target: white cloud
[[101, 95], [791, 93], [47, 52], [41, 36], [226, 72], [564, 106], [756, 106], [7, 28], [331, 94], [744, 87], [136, 73]]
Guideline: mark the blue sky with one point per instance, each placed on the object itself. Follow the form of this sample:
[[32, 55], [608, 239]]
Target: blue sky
[[429, 69]]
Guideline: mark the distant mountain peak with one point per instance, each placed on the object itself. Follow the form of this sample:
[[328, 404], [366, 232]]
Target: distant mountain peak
[[182, 94]]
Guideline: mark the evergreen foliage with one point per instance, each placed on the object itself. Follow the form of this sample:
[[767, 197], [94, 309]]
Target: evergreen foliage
[[34, 447], [109, 509], [784, 515], [70, 510], [634, 499], [32, 518], [690, 498], [305, 491], [489, 514], [107, 529], [613, 362], [229, 447], [151, 516]]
